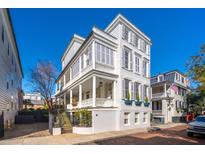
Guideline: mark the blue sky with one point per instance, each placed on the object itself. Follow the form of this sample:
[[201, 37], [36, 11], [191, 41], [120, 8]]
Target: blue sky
[[43, 34]]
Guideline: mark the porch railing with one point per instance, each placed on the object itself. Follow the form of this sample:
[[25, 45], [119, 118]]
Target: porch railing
[[105, 102], [157, 112], [87, 102], [157, 95]]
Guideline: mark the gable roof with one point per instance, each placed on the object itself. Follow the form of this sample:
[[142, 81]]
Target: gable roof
[[75, 38], [121, 19], [172, 71]]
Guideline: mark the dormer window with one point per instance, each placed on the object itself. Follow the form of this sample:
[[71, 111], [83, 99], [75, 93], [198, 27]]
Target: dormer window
[[161, 78]]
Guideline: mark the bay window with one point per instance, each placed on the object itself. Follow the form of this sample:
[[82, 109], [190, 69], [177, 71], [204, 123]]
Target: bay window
[[104, 55]]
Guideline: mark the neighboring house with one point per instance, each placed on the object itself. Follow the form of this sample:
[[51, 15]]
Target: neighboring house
[[102, 71], [169, 96], [33, 100], [11, 74]]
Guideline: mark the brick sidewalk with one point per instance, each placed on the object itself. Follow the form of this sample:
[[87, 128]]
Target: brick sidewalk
[[70, 138]]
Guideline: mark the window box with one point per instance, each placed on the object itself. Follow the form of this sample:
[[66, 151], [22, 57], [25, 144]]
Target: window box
[[138, 103], [146, 104], [127, 102]]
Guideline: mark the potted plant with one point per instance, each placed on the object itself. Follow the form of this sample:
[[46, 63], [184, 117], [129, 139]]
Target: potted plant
[[128, 101], [56, 130], [146, 102], [138, 102]]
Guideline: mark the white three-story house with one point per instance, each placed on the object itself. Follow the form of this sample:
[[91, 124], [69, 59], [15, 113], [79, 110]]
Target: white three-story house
[[169, 92], [109, 74]]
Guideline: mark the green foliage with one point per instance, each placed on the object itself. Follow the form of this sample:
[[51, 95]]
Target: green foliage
[[137, 97], [64, 121], [84, 116], [146, 100], [128, 96], [196, 67]]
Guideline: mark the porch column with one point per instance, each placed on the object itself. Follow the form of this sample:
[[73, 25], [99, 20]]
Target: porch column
[[115, 93], [94, 91], [71, 98], [80, 95], [64, 101], [93, 54], [165, 90]]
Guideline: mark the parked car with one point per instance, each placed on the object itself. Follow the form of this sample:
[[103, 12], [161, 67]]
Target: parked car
[[197, 126]]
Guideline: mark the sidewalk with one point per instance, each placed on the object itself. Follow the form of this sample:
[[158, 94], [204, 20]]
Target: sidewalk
[[75, 138]]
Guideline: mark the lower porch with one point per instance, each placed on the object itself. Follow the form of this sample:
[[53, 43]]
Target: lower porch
[[93, 92]]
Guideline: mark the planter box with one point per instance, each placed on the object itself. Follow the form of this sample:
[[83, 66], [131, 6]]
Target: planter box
[[146, 104], [138, 103], [82, 130], [128, 102], [56, 131]]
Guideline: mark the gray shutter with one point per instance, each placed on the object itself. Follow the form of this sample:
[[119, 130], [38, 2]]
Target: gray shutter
[[123, 57], [132, 91], [142, 92], [123, 32], [131, 61], [123, 88]]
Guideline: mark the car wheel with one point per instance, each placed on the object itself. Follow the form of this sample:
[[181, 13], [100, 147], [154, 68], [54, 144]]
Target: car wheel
[[190, 134]]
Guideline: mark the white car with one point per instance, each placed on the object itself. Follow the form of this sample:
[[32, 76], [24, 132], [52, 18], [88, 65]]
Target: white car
[[197, 126]]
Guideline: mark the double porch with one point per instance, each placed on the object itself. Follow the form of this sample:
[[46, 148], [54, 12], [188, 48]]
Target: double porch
[[96, 91]]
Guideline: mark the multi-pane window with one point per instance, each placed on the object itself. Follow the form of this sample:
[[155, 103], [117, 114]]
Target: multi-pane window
[[104, 55], [126, 118], [145, 68], [75, 69], [137, 64], [148, 49], [137, 119], [136, 90], [86, 58], [145, 92], [142, 45], [125, 88], [182, 79], [145, 118], [126, 58], [157, 105], [125, 33]]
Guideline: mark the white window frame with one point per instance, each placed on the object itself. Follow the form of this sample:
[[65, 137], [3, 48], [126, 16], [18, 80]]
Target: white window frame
[[137, 116], [126, 117], [145, 117], [137, 64]]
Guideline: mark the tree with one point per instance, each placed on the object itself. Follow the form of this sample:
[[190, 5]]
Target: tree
[[43, 78], [196, 72], [196, 69]]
